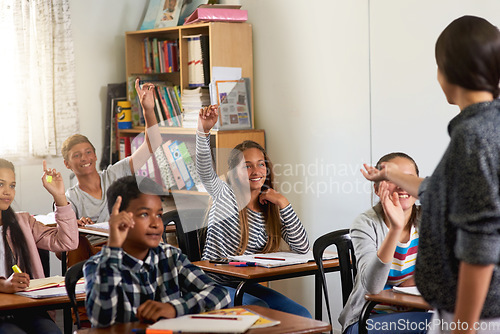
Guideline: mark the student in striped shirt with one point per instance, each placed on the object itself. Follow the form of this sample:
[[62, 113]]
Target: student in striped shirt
[[247, 215], [385, 240]]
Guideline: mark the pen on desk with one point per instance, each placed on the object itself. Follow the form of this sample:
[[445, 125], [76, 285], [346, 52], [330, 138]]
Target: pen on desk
[[269, 258], [16, 269], [153, 331], [211, 317]]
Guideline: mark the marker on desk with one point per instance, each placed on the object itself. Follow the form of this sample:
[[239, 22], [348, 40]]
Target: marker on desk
[[153, 331], [269, 258], [16, 269]]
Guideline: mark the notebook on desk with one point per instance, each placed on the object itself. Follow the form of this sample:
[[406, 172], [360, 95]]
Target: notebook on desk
[[279, 259], [51, 292], [201, 323]]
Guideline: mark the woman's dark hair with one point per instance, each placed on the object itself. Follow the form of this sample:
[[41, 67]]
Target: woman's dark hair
[[468, 54], [127, 187], [20, 254], [270, 210], [388, 157]]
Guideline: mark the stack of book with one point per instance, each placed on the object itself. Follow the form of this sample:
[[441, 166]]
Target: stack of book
[[192, 101]]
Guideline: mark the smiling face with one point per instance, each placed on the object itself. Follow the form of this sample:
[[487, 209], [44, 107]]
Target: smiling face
[[407, 167], [147, 231], [7, 187], [81, 159], [253, 169]]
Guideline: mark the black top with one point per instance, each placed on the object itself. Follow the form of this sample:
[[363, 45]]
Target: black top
[[461, 209]]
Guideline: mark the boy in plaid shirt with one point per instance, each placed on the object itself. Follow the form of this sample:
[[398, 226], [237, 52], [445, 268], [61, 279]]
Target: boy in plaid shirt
[[135, 277]]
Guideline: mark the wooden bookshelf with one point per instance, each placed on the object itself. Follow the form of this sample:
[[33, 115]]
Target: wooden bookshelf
[[230, 45]]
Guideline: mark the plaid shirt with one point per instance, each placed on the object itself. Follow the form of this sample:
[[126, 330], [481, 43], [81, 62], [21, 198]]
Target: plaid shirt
[[117, 284]]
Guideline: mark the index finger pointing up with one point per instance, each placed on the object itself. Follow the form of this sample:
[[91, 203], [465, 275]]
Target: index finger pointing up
[[116, 207], [44, 164]]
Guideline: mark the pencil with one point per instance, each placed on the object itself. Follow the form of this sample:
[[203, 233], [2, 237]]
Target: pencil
[[213, 317]]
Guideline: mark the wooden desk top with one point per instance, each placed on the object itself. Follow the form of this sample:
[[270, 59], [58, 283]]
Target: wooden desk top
[[105, 232], [261, 272], [398, 298], [10, 301], [290, 323]]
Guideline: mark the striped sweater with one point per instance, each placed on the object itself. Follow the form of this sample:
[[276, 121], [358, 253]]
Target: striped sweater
[[223, 232], [402, 268]]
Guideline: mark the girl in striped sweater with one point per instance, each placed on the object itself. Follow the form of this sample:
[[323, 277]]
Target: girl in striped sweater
[[247, 215], [385, 240]]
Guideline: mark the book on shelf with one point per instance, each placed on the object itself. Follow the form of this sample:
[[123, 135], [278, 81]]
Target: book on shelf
[[186, 157], [167, 177], [217, 12], [179, 181], [146, 170], [195, 61], [180, 163], [160, 55], [125, 148], [192, 101]]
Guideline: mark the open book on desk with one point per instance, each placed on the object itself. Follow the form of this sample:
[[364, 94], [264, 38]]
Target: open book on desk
[[51, 292], [207, 323], [279, 259]]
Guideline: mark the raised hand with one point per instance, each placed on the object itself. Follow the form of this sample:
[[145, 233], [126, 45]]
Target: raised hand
[[53, 182], [119, 224], [16, 282], [392, 208], [145, 94], [374, 174], [208, 117], [151, 311], [271, 195]]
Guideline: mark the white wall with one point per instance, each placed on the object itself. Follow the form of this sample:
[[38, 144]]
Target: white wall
[[337, 83]]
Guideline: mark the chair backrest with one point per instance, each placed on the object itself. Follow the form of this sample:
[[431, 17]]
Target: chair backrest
[[45, 258], [74, 273], [347, 262], [191, 243]]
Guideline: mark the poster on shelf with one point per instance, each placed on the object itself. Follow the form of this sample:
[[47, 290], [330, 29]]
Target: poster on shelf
[[234, 104]]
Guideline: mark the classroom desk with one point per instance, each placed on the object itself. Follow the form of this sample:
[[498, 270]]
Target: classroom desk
[[105, 232], [249, 275], [389, 297], [12, 304], [289, 323]]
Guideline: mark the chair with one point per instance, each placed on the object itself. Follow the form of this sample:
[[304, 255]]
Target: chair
[[191, 243], [73, 274], [45, 258], [347, 262]]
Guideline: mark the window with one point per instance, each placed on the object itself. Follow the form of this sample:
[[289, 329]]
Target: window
[[37, 89]]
